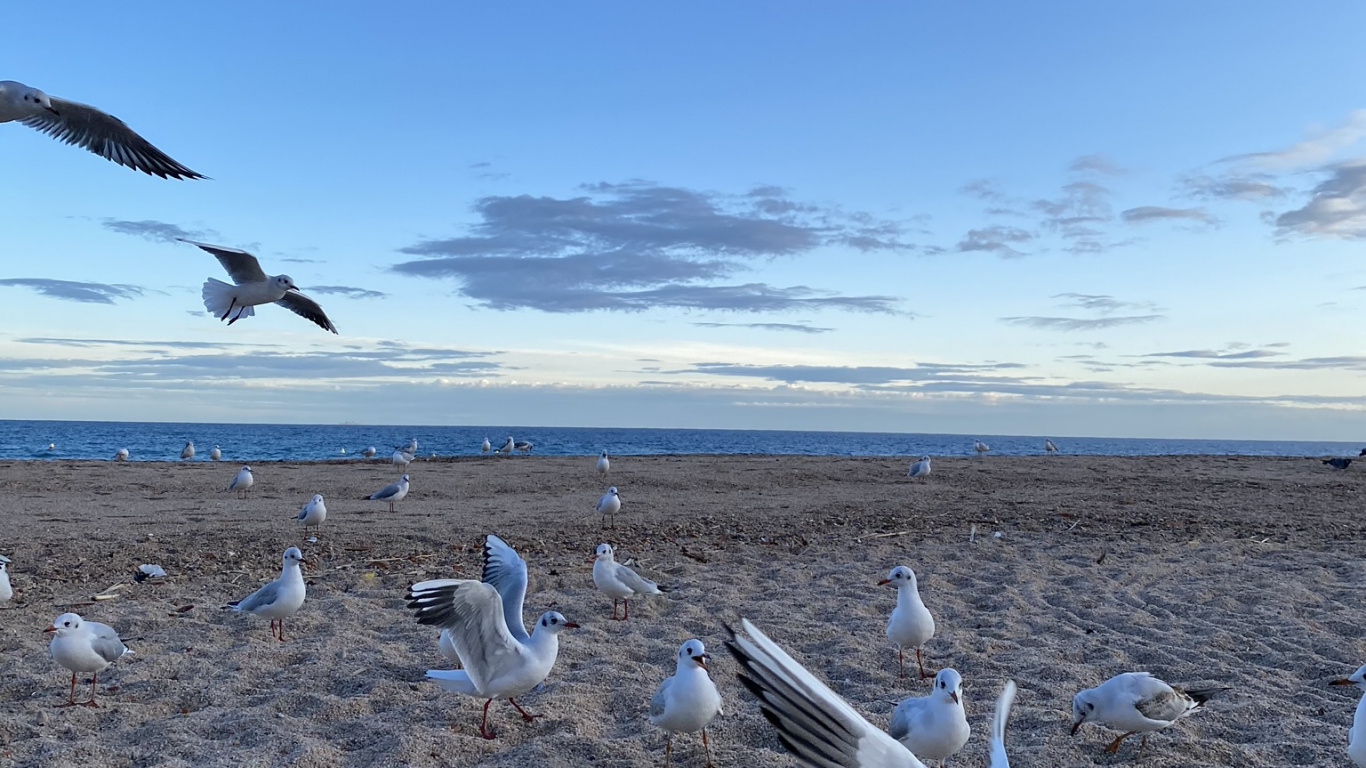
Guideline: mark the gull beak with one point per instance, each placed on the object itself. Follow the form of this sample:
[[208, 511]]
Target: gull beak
[[1075, 726], [1343, 681], [702, 660], [570, 625], [593, 557], [954, 695], [53, 111], [50, 629], [884, 582]]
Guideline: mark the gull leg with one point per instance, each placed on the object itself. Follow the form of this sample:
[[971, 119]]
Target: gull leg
[[71, 698], [1114, 745], [484, 724], [921, 663], [525, 716], [706, 748], [614, 609], [1143, 743], [668, 747], [282, 630], [901, 662], [228, 311], [92, 703], [626, 610]]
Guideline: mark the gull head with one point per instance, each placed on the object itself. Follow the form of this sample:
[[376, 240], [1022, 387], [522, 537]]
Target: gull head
[[1082, 708], [898, 576], [694, 651], [65, 624], [948, 684], [1358, 677], [245, 468], [293, 555], [285, 282], [604, 552], [613, 491], [317, 498], [403, 479], [554, 621], [36, 99]]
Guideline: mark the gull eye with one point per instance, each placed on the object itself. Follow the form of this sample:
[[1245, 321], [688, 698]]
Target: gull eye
[[66, 623]]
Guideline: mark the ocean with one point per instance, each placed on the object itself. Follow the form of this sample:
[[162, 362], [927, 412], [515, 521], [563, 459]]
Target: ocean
[[156, 441]]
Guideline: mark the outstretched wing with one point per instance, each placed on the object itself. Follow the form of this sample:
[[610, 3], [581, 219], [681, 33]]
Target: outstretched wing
[[505, 571], [306, 308], [241, 266], [108, 137], [472, 611], [997, 742]]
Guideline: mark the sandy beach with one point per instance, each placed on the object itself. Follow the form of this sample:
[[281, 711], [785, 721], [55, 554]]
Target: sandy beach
[[1249, 573]]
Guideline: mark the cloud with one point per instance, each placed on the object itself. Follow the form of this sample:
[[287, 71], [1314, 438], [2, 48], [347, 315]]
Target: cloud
[[1080, 323], [1312, 151], [998, 239], [347, 291], [92, 293], [637, 245], [982, 189], [796, 327], [1148, 213], [157, 231], [1102, 303], [1210, 354], [65, 342], [1249, 187], [1336, 208], [1100, 164], [842, 374]]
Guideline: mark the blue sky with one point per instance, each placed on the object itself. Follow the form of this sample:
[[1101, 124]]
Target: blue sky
[[1059, 218]]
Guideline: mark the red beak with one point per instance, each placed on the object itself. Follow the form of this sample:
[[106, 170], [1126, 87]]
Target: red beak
[[50, 629], [570, 625], [592, 557], [884, 581], [53, 111], [1343, 681]]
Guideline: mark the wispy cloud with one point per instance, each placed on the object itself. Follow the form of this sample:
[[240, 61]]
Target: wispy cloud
[[1149, 213], [1210, 354], [1336, 207], [1080, 323], [1100, 164], [842, 374], [1312, 151], [1103, 303], [794, 327], [1252, 187], [91, 293], [1000, 240], [638, 245], [347, 291], [158, 231]]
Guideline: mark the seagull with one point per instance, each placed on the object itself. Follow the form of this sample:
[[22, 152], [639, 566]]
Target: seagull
[[6, 591], [911, 624], [279, 599], [1135, 702], [813, 722], [1049, 446], [980, 447], [242, 481], [617, 581], [997, 743], [920, 468], [88, 127], [188, 451], [934, 727], [524, 446], [313, 513], [215, 454], [369, 452], [486, 447], [1356, 735], [603, 464], [411, 447], [401, 459], [253, 287], [1338, 463], [121, 454], [609, 505], [501, 661], [391, 493], [84, 646], [688, 701], [506, 448]]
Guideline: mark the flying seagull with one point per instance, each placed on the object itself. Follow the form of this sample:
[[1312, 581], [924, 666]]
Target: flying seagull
[[88, 127], [253, 287]]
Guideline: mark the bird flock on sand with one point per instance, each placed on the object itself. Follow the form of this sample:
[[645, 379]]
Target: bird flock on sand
[[481, 621]]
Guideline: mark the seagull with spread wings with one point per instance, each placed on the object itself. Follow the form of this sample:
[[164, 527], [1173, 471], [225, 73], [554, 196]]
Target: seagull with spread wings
[[254, 287]]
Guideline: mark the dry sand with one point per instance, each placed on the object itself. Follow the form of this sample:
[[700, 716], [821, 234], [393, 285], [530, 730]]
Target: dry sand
[[1234, 571]]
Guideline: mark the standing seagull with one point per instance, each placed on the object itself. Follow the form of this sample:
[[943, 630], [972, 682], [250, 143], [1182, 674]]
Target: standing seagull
[[911, 624], [486, 447], [121, 454], [603, 464], [501, 661], [391, 493], [279, 599], [815, 724], [242, 481], [980, 447], [88, 127], [617, 581], [1049, 447], [369, 452], [84, 646], [401, 459], [1356, 735], [254, 287], [1135, 702], [313, 513], [609, 505], [506, 448], [997, 742], [215, 454], [688, 701], [187, 452], [920, 468], [934, 727], [6, 591]]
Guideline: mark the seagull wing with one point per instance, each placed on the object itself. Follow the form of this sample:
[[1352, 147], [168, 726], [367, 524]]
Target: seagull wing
[[108, 137], [813, 723], [259, 599], [637, 583], [387, 491], [306, 308], [105, 641], [659, 703], [472, 611], [505, 571], [241, 266], [998, 726]]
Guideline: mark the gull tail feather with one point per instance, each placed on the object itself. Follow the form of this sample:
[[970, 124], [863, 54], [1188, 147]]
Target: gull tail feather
[[453, 680], [218, 299], [1202, 695]]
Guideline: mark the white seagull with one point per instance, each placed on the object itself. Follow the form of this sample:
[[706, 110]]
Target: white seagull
[[84, 647], [411, 447], [254, 287], [934, 727], [688, 701], [1356, 735], [506, 448], [486, 447], [920, 468], [401, 459], [1135, 702], [369, 452], [501, 661], [1049, 446], [87, 127], [997, 742], [619, 582], [603, 464], [313, 513], [910, 625], [813, 722], [242, 481], [391, 493], [279, 599], [215, 454], [609, 505], [524, 446], [6, 591], [121, 454], [188, 451], [980, 447]]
